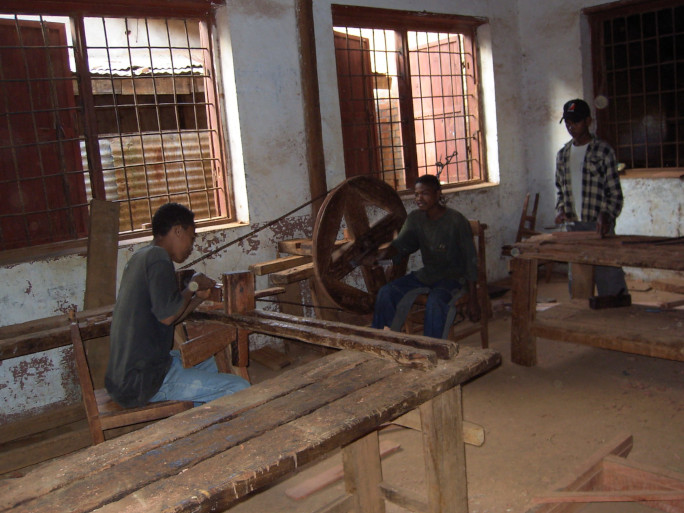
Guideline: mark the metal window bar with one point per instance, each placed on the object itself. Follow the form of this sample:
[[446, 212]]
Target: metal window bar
[[37, 147], [440, 80], [642, 53], [395, 123], [160, 169], [181, 150], [388, 111]]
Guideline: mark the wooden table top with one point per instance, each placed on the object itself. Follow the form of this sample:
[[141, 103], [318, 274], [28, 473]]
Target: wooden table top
[[207, 458], [618, 250]]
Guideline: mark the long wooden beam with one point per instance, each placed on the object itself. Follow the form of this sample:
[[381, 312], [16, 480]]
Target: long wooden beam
[[44, 334], [288, 327], [444, 349]]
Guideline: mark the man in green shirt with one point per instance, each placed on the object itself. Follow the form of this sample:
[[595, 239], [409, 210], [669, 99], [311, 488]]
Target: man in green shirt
[[445, 241]]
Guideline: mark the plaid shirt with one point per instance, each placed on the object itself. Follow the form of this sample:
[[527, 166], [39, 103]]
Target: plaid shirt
[[601, 191]]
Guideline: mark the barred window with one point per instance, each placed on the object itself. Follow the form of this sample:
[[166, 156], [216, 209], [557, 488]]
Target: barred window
[[117, 108], [638, 72], [409, 99]]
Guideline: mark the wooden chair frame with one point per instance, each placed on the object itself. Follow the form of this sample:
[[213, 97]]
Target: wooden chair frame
[[102, 411], [412, 321]]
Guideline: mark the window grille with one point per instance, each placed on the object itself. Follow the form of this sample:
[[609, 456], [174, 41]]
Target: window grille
[[115, 108], [638, 71], [409, 98]]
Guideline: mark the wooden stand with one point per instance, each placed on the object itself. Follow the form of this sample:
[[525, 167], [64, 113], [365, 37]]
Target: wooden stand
[[631, 329], [608, 477]]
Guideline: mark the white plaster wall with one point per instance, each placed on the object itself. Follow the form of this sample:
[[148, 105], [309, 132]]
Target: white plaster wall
[[555, 56]]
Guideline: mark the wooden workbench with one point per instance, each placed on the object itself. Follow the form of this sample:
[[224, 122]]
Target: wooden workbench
[[210, 457], [635, 329]]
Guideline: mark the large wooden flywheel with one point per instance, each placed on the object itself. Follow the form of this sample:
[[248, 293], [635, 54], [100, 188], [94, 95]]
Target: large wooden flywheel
[[355, 202]]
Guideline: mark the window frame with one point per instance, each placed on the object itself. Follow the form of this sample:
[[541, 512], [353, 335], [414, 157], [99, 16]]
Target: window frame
[[77, 10], [401, 22], [596, 17]]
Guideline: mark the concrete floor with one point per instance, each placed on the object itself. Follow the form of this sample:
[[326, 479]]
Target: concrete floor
[[541, 423]]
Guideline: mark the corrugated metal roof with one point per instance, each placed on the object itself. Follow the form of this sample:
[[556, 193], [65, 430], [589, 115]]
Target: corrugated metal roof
[[147, 63]]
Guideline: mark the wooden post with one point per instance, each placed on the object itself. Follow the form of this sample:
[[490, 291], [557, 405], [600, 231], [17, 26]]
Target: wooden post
[[363, 474], [444, 453], [524, 300], [238, 297], [100, 288], [315, 157]]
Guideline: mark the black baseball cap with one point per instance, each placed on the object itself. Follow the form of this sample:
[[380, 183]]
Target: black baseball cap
[[575, 110]]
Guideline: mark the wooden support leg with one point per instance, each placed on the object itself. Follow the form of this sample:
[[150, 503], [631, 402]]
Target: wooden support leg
[[444, 452], [363, 474], [524, 300], [238, 294]]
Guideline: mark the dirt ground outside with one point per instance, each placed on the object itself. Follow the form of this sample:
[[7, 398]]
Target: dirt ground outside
[[541, 423]]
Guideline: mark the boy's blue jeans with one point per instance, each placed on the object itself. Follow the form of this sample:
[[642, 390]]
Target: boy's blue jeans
[[436, 308], [201, 383]]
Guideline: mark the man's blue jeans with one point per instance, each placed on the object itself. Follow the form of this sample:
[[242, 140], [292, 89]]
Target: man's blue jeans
[[436, 308], [609, 280], [201, 383]]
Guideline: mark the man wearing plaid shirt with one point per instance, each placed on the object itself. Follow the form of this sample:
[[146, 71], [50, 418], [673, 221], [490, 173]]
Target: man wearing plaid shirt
[[586, 175]]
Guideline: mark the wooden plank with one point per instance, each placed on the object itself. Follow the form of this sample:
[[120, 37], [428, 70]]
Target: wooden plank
[[279, 264], [524, 298], [343, 504], [270, 291], [23, 340], [619, 470], [623, 250], [634, 329], [363, 473], [238, 291], [46, 323], [57, 474], [101, 268], [621, 474], [473, 434], [588, 475], [408, 356], [301, 246], [52, 418], [445, 349], [201, 347], [313, 139], [444, 452], [238, 295], [609, 496], [44, 445], [670, 285], [183, 8], [332, 475], [299, 273], [219, 482], [103, 247], [182, 455], [296, 247], [404, 498], [270, 358]]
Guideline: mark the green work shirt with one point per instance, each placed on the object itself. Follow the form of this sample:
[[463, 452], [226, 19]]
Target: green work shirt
[[446, 246]]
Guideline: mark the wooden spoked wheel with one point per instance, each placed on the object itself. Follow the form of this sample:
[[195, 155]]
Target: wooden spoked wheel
[[335, 259]]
